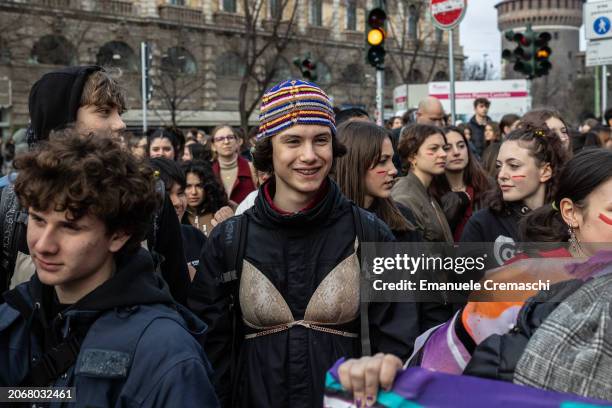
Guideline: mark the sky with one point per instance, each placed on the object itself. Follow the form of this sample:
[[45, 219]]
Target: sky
[[479, 34]]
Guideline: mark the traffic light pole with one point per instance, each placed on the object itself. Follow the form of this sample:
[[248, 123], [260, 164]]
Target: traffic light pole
[[143, 84], [380, 83], [604, 91], [451, 71]]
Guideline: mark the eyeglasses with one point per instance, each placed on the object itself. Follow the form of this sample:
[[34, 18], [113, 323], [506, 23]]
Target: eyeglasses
[[222, 139]]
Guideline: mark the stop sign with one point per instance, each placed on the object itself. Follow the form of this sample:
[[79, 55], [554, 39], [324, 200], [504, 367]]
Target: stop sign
[[446, 14]]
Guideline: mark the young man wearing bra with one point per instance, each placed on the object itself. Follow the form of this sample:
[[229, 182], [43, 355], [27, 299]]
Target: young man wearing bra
[[282, 314]]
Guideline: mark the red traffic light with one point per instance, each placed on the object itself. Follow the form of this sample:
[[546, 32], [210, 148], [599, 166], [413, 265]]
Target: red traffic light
[[521, 39], [308, 64], [377, 17]]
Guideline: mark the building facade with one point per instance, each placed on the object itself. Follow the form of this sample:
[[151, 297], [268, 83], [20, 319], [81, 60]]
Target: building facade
[[202, 49], [562, 19]]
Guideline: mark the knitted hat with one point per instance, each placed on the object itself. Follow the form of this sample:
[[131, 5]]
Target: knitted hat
[[55, 99], [294, 102]]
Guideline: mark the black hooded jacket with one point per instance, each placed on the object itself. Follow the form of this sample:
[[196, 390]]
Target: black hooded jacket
[[295, 253], [53, 104], [138, 347]]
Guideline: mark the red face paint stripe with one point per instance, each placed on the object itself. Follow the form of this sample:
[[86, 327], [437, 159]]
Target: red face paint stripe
[[518, 177], [381, 172], [605, 219]]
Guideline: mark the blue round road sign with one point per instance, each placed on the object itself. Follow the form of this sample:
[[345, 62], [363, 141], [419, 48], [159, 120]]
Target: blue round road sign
[[601, 26]]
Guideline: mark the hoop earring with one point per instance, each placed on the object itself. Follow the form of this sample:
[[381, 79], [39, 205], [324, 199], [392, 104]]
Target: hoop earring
[[575, 245]]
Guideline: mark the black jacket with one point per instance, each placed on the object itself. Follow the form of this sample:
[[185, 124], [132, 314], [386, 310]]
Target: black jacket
[[497, 356], [477, 134], [138, 347], [193, 242], [488, 226], [295, 252]]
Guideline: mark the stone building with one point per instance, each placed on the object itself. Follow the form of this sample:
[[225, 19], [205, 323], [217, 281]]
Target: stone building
[[562, 19], [203, 43]]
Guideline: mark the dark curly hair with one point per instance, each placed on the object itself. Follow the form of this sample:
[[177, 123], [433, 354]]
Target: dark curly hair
[[89, 175], [545, 147], [214, 193]]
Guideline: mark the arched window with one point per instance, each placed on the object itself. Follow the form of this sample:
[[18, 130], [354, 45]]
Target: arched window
[[5, 52], [353, 74], [117, 54], [389, 77], [415, 76], [55, 50], [230, 66], [413, 20], [440, 76], [283, 70], [324, 75], [178, 60]]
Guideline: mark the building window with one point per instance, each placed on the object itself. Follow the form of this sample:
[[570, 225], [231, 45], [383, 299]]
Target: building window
[[282, 70], [440, 76], [415, 76], [178, 60], [353, 74], [413, 20], [276, 9], [177, 2], [316, 12], [229, 6], [230, 66], [439, 35], [117, 54], [54, 50], [5, 53], [389, 77], [556, 35], [351, 15], [324, 75]]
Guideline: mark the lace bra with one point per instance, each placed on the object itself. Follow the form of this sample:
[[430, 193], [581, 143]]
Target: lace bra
[[334, 302]]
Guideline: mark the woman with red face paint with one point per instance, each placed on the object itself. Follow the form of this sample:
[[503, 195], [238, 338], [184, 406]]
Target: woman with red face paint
[[423, 149], [581, 209], [366, 175], [279, 285], [528, 163], [460, 190]]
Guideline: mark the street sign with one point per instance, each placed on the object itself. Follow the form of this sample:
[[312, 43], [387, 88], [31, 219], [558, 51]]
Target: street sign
[[599, 53], [446, 14], [598, 20]]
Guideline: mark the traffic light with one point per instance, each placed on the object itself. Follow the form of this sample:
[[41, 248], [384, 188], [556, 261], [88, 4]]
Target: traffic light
[[147, 64], [542, 54], [307, 66], [376, 37], [530, 57]]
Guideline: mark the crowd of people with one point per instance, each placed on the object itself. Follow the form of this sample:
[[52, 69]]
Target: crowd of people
[[223, 269]]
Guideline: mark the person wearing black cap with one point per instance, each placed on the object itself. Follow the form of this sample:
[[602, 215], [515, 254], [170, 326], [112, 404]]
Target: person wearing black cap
[[89, 99]]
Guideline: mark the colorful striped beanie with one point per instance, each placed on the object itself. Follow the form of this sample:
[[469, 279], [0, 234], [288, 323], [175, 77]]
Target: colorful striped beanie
[[294, 102]]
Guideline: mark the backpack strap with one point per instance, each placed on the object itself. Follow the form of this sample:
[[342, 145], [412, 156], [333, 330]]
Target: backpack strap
[[13, 225], [235, 236], [54, 363], [235, 247], [363, 235]]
